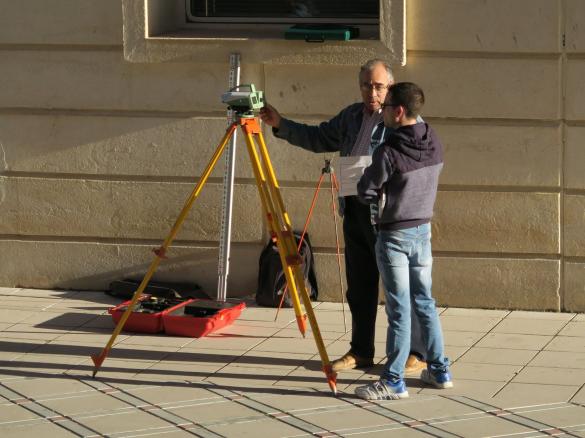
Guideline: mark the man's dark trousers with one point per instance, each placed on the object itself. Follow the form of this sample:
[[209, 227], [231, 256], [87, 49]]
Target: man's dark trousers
[[362, 280]]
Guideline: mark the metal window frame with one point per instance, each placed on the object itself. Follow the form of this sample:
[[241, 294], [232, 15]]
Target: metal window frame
[[273, 20]]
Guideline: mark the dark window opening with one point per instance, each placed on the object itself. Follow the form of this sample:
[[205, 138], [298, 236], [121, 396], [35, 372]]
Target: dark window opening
[[285, 11]]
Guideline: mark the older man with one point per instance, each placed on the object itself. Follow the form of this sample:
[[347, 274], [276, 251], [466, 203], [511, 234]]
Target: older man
[[356, 131]]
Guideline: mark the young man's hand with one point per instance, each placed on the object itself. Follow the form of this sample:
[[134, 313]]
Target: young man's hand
[[270, 116]]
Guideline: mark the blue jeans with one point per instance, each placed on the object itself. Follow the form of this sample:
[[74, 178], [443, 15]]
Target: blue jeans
[[405, 263]]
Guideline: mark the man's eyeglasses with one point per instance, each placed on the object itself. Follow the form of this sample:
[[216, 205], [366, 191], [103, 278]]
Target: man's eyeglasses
[[369, 87]]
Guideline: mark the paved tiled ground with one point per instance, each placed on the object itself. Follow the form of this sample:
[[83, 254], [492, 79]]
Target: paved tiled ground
[[517, 374]]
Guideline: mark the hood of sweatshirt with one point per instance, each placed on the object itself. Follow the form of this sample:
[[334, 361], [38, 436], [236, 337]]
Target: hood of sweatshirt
[[414, 146]]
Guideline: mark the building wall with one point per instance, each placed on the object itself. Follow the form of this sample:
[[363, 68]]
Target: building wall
[[99, 154]]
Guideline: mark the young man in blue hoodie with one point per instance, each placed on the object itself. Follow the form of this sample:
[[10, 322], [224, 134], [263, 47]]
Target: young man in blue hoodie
[[402, 180]]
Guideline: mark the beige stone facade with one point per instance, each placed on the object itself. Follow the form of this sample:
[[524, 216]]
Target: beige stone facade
[[103, 133]]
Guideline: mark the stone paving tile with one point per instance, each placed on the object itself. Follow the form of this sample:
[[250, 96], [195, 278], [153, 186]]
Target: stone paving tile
[[124, 423], [94, 336], [567, 343], [40, 366], [486, 426], [266, 359], [482, 389], [557, 415], [454, 353], [169, 396], [550, 376], [49, 387], [429, 407], [514, 341], [559, 359], [15, 316], [25, 331], [469, 323], [86, 404], [482, 371], [13, 348], [522, 394], [241, 376], [290, 345], [41, 293], [36, 429], [579, 397], [530, 326], [573, 328], [553, 316], [461, 338], [52, 318], [498, 356], [11, 413], [457, 311], [269, 427], [350, 418]]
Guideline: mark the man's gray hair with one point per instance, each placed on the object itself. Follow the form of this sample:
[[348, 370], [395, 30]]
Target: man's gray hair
[[372, 63]]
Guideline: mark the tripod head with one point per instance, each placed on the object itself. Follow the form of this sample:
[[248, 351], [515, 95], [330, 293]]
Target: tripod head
[[244, 100]]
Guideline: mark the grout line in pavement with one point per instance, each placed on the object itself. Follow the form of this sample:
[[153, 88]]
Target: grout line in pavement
[[274, 413], [154, 410], [45, 413], [513, 414], [401, 419], [527, 364]]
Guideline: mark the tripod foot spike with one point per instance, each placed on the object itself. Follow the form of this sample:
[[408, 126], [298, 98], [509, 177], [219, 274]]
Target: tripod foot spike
[[302, 323], [97, 361], [331, 378]]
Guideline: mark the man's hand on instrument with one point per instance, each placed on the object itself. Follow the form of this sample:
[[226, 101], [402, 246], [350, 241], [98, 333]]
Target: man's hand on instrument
[[270, 116]]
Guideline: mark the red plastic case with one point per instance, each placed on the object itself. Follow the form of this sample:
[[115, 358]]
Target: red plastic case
[[177, 323], [140, 322]]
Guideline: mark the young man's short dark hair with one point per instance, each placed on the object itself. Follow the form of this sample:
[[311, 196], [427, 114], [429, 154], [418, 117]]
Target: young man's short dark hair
[[408, 95]]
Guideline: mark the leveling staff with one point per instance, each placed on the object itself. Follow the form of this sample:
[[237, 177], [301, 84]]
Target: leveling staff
[[356, 131]]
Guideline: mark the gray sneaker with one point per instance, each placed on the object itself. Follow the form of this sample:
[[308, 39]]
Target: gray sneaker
[[382, 390], [441, 380]]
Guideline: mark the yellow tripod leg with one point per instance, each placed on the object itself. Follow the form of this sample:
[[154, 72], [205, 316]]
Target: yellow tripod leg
[[290, 258], [271, 215], [297, 271], [160, 252]]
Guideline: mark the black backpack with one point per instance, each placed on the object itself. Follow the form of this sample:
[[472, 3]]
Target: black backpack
[[271, 278]]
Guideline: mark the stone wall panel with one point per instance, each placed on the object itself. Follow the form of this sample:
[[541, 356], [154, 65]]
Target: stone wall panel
[[87, 22], [123, 209], [484, 26], [497, 222]]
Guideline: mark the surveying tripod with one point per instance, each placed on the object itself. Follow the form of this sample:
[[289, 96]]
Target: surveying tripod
[[280, 228]]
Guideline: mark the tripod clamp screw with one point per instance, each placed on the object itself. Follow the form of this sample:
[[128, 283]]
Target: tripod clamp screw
[[327, 168]]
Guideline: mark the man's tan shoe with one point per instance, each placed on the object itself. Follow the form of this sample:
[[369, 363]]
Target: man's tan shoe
[[349, 361], [414, 366]]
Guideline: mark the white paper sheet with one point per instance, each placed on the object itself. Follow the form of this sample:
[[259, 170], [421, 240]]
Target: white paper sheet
[[350, 170]]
